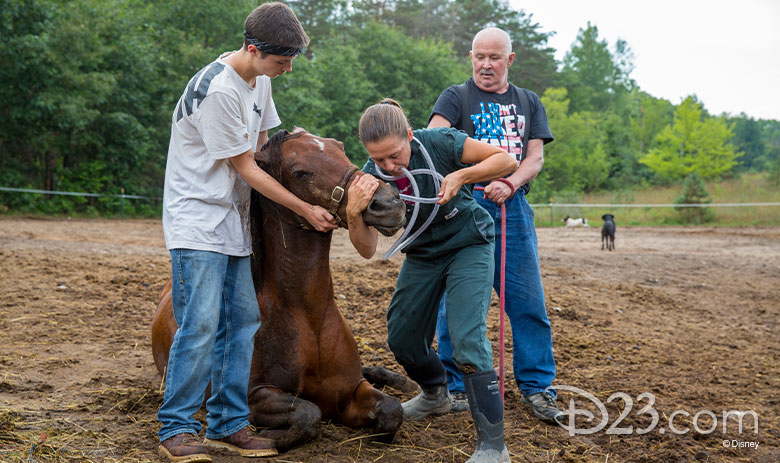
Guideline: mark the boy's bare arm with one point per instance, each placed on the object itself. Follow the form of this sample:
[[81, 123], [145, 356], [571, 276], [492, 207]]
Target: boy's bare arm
[[258, 179]]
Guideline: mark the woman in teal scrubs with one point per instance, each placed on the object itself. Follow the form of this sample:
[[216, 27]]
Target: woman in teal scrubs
[[454, 254]]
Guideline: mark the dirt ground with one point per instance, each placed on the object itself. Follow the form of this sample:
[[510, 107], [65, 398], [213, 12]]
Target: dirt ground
[[677, 324]]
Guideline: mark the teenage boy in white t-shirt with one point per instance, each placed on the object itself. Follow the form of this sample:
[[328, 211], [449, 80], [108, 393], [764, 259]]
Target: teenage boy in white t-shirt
[[222, 118]]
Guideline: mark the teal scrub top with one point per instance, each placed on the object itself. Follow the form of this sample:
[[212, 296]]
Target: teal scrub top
[[459, 223]]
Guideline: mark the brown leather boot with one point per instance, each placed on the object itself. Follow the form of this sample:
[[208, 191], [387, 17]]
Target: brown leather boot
[[246, 443], [184, 448]]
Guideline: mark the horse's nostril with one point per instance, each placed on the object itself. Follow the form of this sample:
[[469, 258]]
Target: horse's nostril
[[377, 206]]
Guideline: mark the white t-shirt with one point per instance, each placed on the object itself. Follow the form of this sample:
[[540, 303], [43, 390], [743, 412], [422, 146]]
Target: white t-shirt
[[205, 201]]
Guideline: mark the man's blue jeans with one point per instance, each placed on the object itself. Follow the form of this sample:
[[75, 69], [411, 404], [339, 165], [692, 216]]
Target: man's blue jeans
[[533, 361], [215, 307]]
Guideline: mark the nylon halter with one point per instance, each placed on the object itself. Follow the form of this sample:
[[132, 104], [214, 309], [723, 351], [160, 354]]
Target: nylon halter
[[403, 241], [337, 195]]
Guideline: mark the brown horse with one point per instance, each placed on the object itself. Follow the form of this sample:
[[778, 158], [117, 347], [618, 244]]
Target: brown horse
[[306, 364]]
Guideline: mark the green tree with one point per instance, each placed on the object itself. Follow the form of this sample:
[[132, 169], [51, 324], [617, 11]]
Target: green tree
[[309, 97], [412, 71], [534, 66], [456, 22], [649, 115], [25, 27], [596, 78], [576, 161], [92, 110], [771, 134], [748, 140], [694, 192], [692, 144], [626, 142], [773, 171], [320, 18], [212, 25]]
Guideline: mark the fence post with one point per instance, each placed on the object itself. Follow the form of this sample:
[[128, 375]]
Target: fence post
[[551, 214], [123, 202]]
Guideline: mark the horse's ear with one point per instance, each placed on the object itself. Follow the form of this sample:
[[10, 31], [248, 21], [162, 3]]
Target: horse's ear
[[263, 159]]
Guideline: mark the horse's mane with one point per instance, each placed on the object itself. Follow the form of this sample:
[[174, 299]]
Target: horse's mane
[[273, 147]]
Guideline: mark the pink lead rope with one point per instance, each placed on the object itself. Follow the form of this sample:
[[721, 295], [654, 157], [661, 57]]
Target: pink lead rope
[[501, 298]]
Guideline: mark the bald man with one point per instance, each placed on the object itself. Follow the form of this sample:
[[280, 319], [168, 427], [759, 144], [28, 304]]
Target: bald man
[[489, 108]]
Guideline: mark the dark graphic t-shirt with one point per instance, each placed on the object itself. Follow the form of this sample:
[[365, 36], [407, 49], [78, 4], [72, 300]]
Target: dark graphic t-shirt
[[497, 118]]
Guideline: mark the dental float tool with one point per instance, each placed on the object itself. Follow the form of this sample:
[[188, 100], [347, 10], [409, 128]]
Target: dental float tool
[[403, 241]]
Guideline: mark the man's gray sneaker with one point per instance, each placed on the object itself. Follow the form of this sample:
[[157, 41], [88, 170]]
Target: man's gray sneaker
[[460, 403], [544, 407], [434, 400]]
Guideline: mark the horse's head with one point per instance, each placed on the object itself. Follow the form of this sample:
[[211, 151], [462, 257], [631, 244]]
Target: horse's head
[[318, 171]]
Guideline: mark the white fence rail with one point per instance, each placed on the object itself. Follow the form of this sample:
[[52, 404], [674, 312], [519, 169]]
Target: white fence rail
[[121, 196], [574, 206], [655, 205], [75, 193], [536, 205]]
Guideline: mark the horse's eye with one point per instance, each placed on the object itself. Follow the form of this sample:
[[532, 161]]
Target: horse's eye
[[302, 174]]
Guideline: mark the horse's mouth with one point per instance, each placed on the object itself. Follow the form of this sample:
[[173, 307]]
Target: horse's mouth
[[388, 231], [388, 225], [386, 212]]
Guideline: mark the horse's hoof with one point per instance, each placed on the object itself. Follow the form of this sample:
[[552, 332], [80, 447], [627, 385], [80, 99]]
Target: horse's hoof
[[304, 426], [390, 416]]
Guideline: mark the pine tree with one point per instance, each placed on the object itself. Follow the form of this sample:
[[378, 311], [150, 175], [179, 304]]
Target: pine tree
[[694, 192]]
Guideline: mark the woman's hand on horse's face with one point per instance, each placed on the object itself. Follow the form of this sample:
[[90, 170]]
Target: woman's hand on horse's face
[[449, 187], [320, 218], [360, 193]]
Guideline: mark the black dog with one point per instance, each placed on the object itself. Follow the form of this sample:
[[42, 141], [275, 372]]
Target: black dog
[[608, 232]]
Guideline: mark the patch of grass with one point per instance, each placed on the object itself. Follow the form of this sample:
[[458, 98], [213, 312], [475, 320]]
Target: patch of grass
[[56, 441], [748, 188]]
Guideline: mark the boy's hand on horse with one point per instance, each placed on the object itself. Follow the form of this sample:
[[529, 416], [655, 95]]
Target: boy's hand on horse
[[319, 218]]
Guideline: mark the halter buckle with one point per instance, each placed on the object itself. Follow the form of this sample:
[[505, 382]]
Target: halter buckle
[[338, 190]]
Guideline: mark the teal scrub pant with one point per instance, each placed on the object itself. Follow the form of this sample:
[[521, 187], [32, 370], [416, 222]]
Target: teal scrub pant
[[466, 274]]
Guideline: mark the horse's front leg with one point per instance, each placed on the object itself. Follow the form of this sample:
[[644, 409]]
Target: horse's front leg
[[371, 407], [381, 376], [289, 420]]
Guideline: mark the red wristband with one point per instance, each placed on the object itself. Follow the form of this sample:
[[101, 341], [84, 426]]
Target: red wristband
[[506, 181]]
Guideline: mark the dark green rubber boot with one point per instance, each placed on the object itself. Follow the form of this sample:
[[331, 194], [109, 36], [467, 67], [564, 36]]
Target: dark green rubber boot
[[487, 410]]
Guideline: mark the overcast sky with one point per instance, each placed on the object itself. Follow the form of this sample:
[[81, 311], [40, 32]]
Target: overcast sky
[[725, 52]]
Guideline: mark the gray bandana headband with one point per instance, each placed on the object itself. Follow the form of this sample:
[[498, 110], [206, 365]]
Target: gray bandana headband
[[272, 49]]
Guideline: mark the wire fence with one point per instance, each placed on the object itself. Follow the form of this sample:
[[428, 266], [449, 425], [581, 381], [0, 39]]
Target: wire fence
[[694, 212], [551, 206], [654, 205], [122, 196], [75, 193]]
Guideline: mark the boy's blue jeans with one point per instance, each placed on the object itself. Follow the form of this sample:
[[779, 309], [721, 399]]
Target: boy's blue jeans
[[215, 307], [533, 361]]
